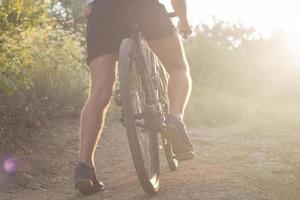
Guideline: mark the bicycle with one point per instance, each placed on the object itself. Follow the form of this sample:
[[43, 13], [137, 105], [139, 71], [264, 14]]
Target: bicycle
[[142, 96]]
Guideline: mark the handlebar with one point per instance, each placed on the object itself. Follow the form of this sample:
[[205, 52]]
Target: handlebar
[[172, 15]]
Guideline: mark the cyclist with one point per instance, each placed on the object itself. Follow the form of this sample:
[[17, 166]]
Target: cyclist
[[108, 24]]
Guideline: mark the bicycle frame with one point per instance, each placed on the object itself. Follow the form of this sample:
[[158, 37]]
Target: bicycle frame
[[137, 37]]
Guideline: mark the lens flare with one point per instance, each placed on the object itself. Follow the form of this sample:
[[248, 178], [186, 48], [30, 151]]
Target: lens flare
[[10, 166]]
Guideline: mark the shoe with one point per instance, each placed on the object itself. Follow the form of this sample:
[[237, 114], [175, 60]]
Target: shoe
[[177, 134], [85, 179]]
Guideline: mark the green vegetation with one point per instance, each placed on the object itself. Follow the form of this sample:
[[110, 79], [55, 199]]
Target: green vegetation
[[42, 67], [15, 18]]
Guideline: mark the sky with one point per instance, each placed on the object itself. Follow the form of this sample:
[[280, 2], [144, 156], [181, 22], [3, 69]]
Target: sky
[[265, 15]]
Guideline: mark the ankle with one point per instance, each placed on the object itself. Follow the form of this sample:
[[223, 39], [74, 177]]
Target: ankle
[[87, 163], [177, 116]]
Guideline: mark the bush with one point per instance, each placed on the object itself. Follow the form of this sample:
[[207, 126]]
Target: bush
[[57, 77], [16, 16]]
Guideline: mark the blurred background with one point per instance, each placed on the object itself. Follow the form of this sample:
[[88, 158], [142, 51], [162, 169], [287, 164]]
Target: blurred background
[[244, 57]]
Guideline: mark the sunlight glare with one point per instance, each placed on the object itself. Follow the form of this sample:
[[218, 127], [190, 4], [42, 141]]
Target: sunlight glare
[[265, 15], [294, 47]]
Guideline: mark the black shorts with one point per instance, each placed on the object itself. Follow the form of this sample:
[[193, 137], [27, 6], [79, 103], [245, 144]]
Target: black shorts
[[110, 22]]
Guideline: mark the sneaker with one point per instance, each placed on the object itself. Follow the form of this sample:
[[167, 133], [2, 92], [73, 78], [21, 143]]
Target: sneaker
[[85, 179], [177, 134]]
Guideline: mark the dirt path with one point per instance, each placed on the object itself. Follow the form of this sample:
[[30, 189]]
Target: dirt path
[[230, 164]]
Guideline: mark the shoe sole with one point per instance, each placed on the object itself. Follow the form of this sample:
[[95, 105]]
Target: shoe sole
[[171, 135], [84, 186], [185, 157]]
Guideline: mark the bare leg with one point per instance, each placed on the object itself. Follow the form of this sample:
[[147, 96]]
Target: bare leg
[[102, 70], [171, 53]]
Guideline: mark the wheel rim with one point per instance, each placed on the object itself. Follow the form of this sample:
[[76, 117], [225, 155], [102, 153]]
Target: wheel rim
[[147, 139]]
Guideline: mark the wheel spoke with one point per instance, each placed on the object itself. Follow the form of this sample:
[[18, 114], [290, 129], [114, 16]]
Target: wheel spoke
[[142, 132]]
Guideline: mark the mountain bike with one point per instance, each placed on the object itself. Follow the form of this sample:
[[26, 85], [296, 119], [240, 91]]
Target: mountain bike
[[142, 96]]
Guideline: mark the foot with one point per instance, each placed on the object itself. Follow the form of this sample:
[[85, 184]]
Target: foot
[[177, 134], [85, 179]]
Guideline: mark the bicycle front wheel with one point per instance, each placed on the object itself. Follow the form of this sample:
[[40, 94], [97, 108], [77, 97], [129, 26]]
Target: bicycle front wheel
[[143, 142]]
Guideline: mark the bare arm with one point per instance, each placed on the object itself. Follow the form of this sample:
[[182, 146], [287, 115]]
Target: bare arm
[[88, 7], [180, 7]]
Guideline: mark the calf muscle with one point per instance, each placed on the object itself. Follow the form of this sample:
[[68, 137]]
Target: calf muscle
[[102, 70], [170, 52]]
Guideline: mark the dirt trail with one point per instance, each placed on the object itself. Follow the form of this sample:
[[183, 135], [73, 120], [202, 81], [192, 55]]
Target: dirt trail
[[230, 164]]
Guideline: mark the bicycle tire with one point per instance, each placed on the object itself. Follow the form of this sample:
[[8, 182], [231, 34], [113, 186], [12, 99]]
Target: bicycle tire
[[149, 181], [172, 162]]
